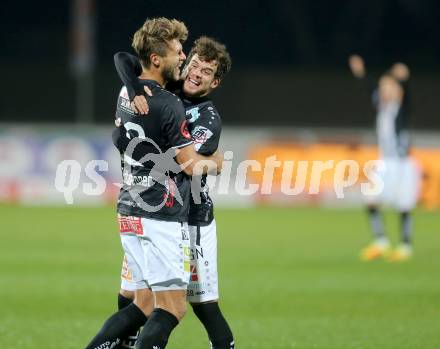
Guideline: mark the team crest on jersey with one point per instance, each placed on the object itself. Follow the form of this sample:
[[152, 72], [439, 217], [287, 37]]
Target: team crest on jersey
[[200, 135], [194, 112]]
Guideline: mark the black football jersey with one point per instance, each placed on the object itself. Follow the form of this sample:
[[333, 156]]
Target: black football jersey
[[204, 125], [153, 184]]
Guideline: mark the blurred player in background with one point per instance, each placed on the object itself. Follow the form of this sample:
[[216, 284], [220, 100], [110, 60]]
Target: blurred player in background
[[400, 176], [208, 63]]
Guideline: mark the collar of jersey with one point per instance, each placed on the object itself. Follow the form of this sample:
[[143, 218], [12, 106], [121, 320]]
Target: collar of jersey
[[194, 100]]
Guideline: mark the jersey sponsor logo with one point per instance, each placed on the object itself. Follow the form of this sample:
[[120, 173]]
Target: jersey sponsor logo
[[194, 112], [184, 130], [200, 135], [144, 181], [196, 254], [124, 105], [130, 224]]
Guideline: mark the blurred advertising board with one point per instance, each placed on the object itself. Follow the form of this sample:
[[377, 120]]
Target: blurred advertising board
[[66, 164]]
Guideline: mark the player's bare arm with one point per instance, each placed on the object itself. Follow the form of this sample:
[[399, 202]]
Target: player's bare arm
[[195, 164]]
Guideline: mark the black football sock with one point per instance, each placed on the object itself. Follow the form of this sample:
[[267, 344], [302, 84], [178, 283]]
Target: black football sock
[[215, 324], [376, 223], [117, 327], [123, 301], [406, 223], [157, 330], [129, 341]]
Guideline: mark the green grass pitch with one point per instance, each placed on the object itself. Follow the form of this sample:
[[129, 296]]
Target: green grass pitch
[[289, 278]]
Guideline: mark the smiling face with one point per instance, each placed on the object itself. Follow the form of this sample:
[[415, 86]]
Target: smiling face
[[158, 44], [200, 79], [173, 61]]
